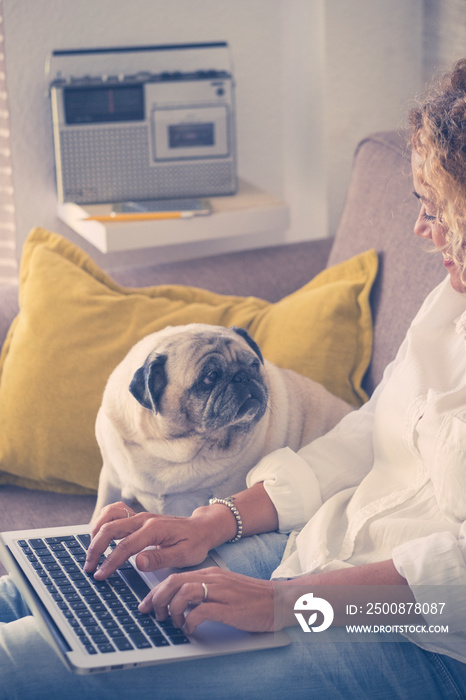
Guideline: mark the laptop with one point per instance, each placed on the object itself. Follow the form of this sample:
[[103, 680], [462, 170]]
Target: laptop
[[95, 626]]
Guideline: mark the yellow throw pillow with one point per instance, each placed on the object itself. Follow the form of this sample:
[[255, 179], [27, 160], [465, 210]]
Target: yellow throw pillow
[[75, 325]]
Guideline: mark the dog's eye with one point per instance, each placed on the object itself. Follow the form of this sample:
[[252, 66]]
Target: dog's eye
[[211, 377], [256, 365]]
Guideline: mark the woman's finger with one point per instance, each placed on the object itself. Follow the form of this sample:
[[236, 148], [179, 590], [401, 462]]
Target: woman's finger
[[201, 613], [120, 529], [180, 591], [114, 511], [162, 596], [189, 594]]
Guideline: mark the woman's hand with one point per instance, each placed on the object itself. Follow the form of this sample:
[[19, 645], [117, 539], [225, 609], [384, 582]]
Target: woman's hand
[[237, 600], [173, 541]]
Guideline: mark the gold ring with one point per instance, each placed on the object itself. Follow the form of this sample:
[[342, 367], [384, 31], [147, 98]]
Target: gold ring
[[206, 592]]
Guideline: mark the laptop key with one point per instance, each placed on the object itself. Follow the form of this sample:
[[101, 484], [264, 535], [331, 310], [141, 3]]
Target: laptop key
[[174, 632], [88, 621], [109, 624], [140, 641], [160, 641], [113, 633], [103, 615], [123, 644], [147, 623], [46, 558], [51, 566], [73, 544], [135, 581], [157, 638], [56, 546], [125, 620], [85, 540], [99, 586], [76, 575]]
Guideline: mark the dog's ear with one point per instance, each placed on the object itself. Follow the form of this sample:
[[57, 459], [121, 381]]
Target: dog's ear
[[252, 343], [149, 382]]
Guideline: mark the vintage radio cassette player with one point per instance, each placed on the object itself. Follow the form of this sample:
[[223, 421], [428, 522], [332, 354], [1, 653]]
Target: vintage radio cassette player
[[146, 122]]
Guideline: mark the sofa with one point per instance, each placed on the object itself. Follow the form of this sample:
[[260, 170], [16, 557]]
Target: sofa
[[379, 213]]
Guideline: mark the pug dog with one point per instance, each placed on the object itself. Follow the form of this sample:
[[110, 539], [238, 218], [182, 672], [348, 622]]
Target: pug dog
[[191, 409]]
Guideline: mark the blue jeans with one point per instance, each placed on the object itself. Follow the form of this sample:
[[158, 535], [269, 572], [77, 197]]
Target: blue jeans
[[30, 669]]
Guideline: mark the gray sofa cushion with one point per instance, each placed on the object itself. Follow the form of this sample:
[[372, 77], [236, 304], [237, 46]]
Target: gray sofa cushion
[[268, 273], [21, 508], [380, 212], [8, 308]]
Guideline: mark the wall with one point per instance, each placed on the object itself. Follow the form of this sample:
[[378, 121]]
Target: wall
[[374, 68], [313, 76], [35, 27], [444, 34]]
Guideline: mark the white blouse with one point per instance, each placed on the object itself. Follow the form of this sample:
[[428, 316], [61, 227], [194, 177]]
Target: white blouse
[[389, 481]]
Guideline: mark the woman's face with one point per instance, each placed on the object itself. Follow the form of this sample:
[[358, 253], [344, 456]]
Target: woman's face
[[428, 226]]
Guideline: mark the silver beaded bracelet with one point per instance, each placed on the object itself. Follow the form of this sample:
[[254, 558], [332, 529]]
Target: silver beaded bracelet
[[228, 502]]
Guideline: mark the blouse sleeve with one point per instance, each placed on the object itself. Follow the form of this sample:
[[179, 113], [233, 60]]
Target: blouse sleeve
[[435, 569]]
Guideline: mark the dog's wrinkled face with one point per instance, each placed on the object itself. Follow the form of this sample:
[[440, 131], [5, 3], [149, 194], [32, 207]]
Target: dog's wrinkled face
[[201, 380]]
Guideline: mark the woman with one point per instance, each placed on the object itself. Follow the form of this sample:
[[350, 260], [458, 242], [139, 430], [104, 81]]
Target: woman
[[379, 501]]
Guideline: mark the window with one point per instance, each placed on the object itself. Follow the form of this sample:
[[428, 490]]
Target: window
[[8, 262]]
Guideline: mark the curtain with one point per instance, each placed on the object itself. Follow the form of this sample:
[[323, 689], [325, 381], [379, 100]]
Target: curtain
[[8, 262]]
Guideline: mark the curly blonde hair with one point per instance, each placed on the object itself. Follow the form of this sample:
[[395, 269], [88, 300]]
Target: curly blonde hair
[[439, 137]]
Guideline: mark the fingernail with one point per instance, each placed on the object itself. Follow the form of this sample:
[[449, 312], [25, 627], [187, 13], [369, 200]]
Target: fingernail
[[143, 561]]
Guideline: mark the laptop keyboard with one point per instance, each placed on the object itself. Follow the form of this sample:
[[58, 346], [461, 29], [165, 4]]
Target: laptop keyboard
[[102, 614]]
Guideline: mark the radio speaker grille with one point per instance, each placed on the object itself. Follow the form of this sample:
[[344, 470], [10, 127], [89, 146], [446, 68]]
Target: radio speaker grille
[[106, 165]]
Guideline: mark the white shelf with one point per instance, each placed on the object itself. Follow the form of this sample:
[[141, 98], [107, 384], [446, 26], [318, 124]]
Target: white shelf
[[250, 211]]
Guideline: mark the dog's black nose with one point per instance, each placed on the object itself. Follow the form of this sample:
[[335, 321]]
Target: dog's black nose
[[241, 377], [245, 387]]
